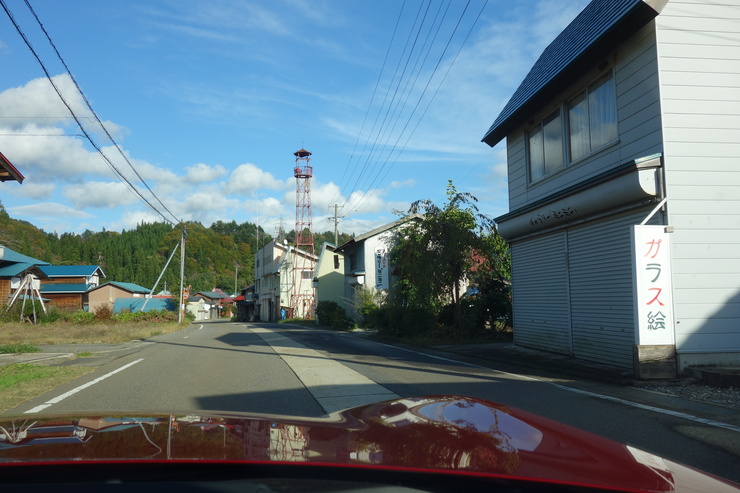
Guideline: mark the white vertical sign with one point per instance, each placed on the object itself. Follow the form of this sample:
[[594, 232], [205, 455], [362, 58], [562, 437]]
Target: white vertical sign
[[653, 284], [381, 268]]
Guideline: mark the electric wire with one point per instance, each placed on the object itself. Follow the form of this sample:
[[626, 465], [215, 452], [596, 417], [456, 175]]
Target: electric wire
[[395, 148], [337, 194], [428, 104], [385, 98], [388, 133], [95, 115], [74, 116]]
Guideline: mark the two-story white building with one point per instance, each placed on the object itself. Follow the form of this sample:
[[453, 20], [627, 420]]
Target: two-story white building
[[630, 117], [276, 283], [367, 262]]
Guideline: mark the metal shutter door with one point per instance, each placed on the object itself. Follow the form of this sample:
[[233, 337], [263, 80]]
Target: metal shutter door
[[540, 293], [602, 311]]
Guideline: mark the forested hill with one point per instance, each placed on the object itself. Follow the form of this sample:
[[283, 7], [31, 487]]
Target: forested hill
[[212, 254]]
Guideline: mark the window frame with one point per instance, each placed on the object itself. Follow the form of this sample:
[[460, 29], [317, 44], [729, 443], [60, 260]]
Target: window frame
[[590, 89], [563, 111]]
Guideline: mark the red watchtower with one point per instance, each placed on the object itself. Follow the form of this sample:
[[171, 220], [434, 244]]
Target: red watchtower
[[302, 298]]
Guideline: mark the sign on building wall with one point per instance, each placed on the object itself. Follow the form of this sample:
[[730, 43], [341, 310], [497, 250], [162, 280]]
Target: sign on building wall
[[653, 286], [381, 268]]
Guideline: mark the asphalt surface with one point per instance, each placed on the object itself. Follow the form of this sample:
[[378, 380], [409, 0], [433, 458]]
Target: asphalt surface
[[232, 367]]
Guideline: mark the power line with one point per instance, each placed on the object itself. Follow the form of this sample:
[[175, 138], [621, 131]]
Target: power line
[[394, 148], [337, 195], [95, 115], [385, 98], [74, 116]]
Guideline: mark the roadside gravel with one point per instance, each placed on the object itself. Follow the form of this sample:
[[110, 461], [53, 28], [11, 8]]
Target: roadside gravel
[[696, 390]]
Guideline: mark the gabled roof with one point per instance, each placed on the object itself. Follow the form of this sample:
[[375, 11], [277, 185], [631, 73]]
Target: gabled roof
[[15, 270], [72, 270], [13, 256], [212, 295], [592, 35], [8, 171], [377, 231], [63, 288], [128, 286]]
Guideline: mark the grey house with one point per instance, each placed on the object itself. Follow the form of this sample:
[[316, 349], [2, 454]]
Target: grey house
[[630, 116]]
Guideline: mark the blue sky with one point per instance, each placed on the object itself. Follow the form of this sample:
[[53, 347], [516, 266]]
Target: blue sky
[[209, 101]]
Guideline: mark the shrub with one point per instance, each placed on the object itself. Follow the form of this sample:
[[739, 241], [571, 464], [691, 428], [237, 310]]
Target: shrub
[[52, 315], [331, 314], [371, 305], [13, 314], [149, 316], [80, 317], [407, 321], [103, 312]]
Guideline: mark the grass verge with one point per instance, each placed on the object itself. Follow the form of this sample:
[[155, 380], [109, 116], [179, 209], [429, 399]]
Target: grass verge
[[71, 333], [19, 348], [22, 381]]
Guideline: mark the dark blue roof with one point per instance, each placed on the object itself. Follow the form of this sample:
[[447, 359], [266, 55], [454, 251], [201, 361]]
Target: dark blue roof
[[591, 36]]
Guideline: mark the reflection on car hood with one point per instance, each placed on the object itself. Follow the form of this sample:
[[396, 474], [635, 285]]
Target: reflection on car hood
[[459, 435]]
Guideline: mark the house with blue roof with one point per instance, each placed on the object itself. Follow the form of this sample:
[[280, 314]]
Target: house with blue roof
[[624, 209], [14, 267], [108, 293], [67, 285]]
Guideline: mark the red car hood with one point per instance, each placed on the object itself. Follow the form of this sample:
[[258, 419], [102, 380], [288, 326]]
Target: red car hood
[[439, 434]]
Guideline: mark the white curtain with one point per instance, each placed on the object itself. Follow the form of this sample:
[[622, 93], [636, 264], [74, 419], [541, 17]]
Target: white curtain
[[602, 108], [580, 141]]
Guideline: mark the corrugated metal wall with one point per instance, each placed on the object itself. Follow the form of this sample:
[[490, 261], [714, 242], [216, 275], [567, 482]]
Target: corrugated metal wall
[[601, 293], [572, 290], [540, 293]]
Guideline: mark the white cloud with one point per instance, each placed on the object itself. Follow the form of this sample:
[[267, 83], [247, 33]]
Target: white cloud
[[37, 102], [403, 184], [203, 173], [36, 191], [105, 195], [132, 218], [47, 210], [248, 179], [207, 205]]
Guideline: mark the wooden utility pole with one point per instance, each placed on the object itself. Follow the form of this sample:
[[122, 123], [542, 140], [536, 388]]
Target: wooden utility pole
[[181, 311]]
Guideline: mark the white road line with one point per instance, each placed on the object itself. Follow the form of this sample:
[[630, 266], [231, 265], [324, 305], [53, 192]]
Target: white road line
[[334, 386], [81, 387], [677, 414]]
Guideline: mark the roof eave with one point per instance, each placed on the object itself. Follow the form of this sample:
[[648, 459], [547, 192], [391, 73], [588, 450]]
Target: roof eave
[[642, 13], [12, 171]]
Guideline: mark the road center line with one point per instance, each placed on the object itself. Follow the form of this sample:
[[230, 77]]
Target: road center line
[[334, 386], [60, 398]]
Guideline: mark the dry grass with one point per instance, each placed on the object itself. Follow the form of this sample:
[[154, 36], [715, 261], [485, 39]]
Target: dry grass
[[21, 382], [69, 333]]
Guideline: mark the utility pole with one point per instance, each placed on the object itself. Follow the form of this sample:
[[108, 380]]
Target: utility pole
[[181, 311], [336, 223], [236, 276]]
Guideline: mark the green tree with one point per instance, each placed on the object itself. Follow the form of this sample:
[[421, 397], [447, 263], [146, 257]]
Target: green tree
[[454, 244]]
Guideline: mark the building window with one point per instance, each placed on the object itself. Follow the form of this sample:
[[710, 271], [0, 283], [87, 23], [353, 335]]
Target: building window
[[592, 118], [546, 146], [591, 125], [307, 274]]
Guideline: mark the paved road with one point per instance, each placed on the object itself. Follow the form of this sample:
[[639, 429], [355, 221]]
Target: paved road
[[295, 371]]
